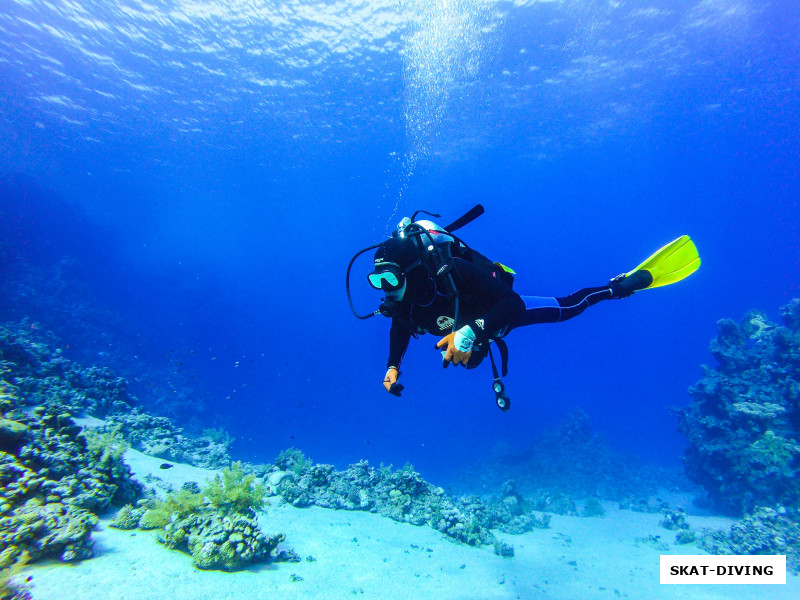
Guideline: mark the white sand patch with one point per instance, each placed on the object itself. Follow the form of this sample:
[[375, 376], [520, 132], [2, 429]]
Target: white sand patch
[[175, 476], [365, 555]]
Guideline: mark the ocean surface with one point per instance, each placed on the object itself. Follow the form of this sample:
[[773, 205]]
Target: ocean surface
[[182, 185]]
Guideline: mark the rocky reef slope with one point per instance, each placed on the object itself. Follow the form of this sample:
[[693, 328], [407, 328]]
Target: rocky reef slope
[[743, 425], [743, 429]]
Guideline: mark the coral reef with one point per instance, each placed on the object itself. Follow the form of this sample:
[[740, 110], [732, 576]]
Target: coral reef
[[221, 542], [555, 502], [593, 508], [685, 536], [503, 549], [48, 529], [568, 462], [512, 513], [55, 484], [401, 495], [11, 588], [217, 526], [45, 377], [85, 469], [293, 460], [675, 520], [158, 436], [235, 492], [765, 531], [743, 428], [128, 517], [31, 361], [643, 505], [743, 425], [54, 477], [59, 297], [218, 436], [11, 434], [159, 514]]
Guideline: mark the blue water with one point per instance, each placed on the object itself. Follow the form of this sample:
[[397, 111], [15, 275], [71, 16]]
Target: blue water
[[212, 167]]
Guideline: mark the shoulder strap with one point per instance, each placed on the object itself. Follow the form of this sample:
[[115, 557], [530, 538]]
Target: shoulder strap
[[503, 348]]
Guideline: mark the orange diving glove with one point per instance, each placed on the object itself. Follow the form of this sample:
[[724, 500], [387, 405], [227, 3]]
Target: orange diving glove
[[452, 353]]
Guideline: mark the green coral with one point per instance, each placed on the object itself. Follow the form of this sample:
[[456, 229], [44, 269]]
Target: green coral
[[218, 436], [127, 518], [105, 445], [232, 492], [293, 459], [774, 452], [236, 492], [10, 573], [153, 519], [177, 506]]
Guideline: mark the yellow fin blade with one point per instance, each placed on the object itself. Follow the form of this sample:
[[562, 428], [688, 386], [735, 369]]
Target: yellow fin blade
[[506, 269], [673, 262]]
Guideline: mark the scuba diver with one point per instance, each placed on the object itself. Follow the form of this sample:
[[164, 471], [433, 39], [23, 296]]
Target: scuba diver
[[434, 283]]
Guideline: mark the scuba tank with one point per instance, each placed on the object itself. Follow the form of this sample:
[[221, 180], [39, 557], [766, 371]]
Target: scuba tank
[[434, 244]]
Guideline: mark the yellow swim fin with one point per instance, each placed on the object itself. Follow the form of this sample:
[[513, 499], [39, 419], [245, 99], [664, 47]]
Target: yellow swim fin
[[673, 262], [505, 268]]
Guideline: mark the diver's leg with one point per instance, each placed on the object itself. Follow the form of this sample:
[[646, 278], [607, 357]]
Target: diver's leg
[[540, 309]]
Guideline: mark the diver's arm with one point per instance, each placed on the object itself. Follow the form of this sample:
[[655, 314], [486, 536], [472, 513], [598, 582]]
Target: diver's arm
[[399, 337]]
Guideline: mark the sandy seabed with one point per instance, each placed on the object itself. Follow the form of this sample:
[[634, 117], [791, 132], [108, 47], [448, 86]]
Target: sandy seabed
[[362, 555]]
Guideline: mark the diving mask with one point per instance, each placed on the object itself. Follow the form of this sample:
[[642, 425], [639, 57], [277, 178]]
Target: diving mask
[[387, 277]]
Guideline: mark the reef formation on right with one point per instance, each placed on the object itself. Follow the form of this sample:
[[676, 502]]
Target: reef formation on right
[[743, 429], [572, 463]]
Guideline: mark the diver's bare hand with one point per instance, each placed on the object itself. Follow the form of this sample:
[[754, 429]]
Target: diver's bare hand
[[453, 354], [391, 378]]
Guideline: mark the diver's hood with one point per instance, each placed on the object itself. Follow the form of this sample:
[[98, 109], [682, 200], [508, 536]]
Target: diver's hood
[[396, 250]]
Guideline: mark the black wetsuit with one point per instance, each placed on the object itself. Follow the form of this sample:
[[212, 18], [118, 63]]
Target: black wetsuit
[[487, 304]]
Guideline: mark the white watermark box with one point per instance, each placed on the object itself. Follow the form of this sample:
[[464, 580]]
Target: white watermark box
[[693, 568]]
